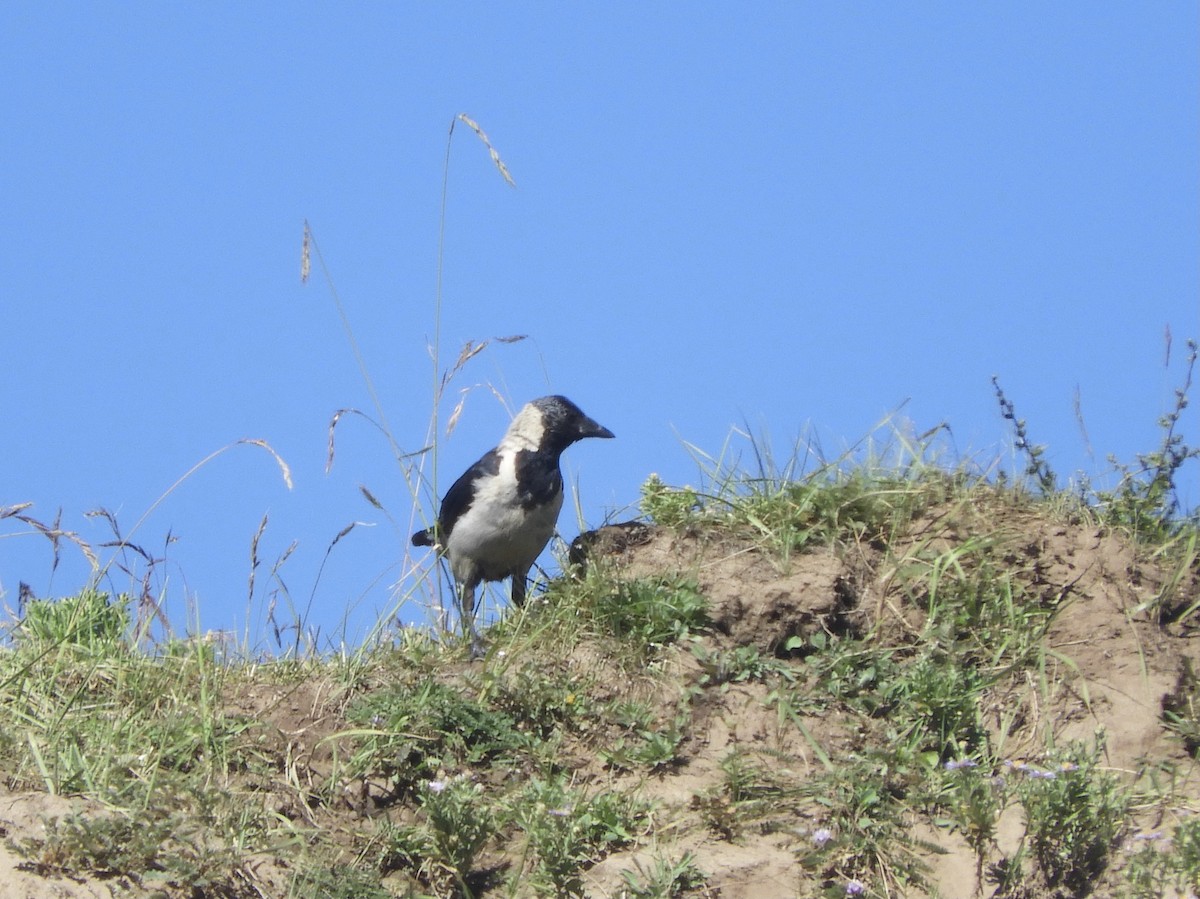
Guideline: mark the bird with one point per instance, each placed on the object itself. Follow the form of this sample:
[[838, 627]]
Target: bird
[[496, 519]]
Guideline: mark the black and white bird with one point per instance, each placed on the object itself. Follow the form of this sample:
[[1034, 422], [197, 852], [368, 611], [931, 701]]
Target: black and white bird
[[497, 518]]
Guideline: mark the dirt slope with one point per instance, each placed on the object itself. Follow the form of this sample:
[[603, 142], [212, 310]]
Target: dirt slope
[[1113, 670]]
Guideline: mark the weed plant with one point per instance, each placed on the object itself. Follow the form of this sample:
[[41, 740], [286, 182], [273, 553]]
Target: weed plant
[[842, 502], [1181, 708], [664, 878], [409, 734], [566, 832], [739, 664], [1160, 861], [147, 736], [651, 613], [460, 821], [339, 882], [1074, 813], [1145, 503]]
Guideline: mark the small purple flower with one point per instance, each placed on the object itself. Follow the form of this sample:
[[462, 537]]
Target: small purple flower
[[956, 764], [855, 887], [1034, 773], [436, 786], [822, 836], [564, 812]]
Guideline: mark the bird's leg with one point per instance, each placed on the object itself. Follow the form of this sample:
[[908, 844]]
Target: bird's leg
[[518, 587], [466, 614]]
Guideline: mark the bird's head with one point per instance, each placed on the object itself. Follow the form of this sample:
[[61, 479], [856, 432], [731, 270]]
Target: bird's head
[[551, 424]]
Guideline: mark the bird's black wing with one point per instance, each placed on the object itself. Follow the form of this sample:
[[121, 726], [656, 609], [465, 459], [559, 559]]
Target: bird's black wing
[[462, 493]]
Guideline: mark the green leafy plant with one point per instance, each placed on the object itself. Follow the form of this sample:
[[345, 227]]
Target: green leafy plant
[[1074, 813], [1160, 861], [174, 837], [567, 832], [539, 700], [864, 496], [411, 732], [864, 819], [650, 613], [849, 671], [1181, 708], [646, 747], [111, 845], [667, 506], [340, 882], [760, 786], [460, 822], [973, 800], [664, 878], [738, 665], [933, 705], [87, 619]]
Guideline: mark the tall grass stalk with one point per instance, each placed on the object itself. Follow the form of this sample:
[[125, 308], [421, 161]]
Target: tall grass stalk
[[422, 486]]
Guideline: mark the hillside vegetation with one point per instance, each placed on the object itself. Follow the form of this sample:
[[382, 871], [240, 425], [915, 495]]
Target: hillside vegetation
[[867, 679]]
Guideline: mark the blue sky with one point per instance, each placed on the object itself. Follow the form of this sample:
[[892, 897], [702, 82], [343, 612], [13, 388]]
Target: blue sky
[[796, 216]]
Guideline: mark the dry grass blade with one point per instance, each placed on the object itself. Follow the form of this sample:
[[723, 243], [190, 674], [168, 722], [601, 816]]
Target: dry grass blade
[[311, 243], [452, 423], [370, 497], [344, 531], [126, 544], [119, 542], [301, 624], [10, 511], [456, 414], [107, 516], [262, 526], [52, 532], [1077, 407], [306, 254], [469, 351], [500, 166], [333, 423], [283, 466], [149, 609], [287, 479], [337, 417], [284, 556]]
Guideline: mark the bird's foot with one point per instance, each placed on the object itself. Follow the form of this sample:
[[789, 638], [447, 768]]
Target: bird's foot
[[478, 650]]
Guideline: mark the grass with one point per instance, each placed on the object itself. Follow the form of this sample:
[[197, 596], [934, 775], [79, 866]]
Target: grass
[[431, 776]]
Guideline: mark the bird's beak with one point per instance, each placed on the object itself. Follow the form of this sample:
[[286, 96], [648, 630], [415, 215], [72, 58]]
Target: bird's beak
[[589, 428]]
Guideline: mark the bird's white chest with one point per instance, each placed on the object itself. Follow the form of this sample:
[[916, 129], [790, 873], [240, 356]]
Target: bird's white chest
[[496, 535]]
